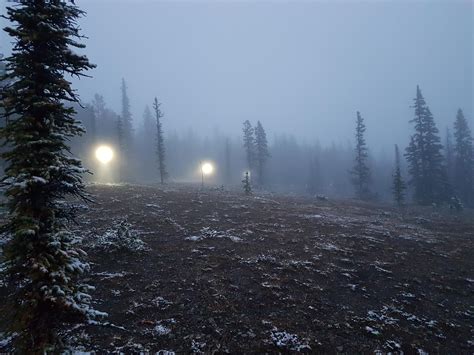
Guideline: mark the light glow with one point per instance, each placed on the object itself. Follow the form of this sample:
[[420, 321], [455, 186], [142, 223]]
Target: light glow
[[104, 154], [207, 168]]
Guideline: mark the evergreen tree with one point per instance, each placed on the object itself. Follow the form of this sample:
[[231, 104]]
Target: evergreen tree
[[425, 161], [3, 83], [398, 185], [262, 154], [121, 147], [247, 186], [361, 172], [41, 175], [464, 160], [160, 144], [147, 144], [249, 144], [127, 122], [2, 68], [98, 103]]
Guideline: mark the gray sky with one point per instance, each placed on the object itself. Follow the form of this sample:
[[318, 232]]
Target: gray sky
[[300, 67]]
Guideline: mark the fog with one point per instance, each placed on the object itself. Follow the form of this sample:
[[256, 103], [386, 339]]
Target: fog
[[301, 68]]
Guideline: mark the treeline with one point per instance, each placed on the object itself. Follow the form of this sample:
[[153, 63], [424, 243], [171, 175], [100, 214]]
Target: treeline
[[426, 172]]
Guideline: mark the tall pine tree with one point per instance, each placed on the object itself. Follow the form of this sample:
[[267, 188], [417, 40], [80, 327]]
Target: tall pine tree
[[361, 172], [160, 143], [41, 175], [398, 184], [249, 145], [425, 161], [262, 154], [463, 160], [121, 148], [127, 128]]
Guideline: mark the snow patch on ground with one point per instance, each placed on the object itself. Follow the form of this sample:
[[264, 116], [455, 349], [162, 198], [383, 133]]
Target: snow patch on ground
[[208, 233], [161, 330], [289, 341], [110, 275], [5, 340], [120, 236], [372, 331]]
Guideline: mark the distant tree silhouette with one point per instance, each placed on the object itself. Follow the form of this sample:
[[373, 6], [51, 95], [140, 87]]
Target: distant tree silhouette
[[160, 143], [262, 154], [121, 148], [463, 160], [249, 145], [127, 123], [425, 161], [398, 184], [98, 103], [246, 184], [361, 172]]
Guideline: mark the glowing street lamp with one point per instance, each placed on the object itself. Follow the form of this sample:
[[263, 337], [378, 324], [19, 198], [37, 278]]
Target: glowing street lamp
[[206, 169], [104, 154]]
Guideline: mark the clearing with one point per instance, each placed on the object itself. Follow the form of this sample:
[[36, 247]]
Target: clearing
[[223, 272]]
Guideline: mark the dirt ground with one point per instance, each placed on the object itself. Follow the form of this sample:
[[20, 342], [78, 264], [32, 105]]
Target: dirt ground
[[223, 272]]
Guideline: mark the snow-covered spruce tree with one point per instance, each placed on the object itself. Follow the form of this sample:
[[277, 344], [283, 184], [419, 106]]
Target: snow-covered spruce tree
[[160, 143], [398, 184], [262, 154], [249, 144], [361, 172], [247, 186], [42, 260], [425, 161], [3, 82], [463, 160]]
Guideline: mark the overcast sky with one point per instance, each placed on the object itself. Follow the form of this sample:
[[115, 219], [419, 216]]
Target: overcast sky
[[302, 68]]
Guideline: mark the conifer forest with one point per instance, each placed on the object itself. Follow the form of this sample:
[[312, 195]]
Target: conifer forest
[[236, 177]]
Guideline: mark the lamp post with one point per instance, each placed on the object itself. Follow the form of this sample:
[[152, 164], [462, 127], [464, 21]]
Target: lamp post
[[206, 169], [104, 155]]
